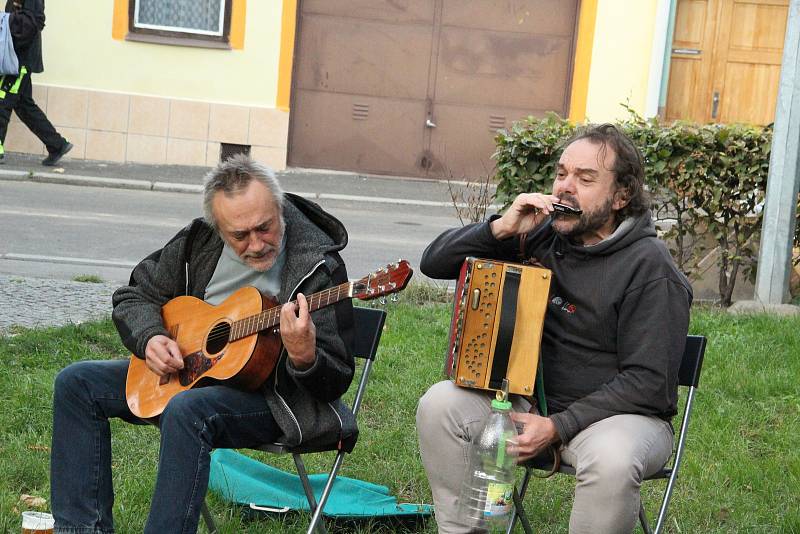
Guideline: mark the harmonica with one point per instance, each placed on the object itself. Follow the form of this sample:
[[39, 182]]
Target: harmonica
[[563, 208]]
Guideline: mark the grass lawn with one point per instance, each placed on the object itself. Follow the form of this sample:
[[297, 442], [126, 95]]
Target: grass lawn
[[741, 471]]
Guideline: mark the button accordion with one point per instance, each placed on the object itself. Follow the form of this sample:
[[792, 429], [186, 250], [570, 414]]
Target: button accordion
[[496, 329]]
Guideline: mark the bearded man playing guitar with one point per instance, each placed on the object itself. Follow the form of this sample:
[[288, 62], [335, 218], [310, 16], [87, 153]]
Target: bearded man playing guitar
[[253, 234]]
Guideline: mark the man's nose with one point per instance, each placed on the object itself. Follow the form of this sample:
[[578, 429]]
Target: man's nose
[[564, 185], [254, 242]]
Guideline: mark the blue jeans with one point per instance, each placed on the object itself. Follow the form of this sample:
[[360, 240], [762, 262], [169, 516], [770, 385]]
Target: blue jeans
[[194, 422]]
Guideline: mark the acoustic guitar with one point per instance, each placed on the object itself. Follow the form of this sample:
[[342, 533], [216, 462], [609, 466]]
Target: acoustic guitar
[[237, 342]]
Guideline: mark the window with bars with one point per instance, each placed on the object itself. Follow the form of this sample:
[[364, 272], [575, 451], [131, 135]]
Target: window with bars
[[190, 22]]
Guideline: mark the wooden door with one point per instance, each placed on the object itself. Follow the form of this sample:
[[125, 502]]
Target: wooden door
[[726, 60]]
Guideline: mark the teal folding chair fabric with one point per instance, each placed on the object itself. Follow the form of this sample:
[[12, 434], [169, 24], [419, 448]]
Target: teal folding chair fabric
[[243, 480]]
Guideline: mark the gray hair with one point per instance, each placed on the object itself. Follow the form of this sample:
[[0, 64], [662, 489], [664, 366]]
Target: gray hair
[[234, 175]]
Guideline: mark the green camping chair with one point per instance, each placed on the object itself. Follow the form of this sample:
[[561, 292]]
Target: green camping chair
[[688, 376], [368, 328]]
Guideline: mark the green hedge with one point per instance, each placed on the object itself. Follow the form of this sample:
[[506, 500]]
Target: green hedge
[[707, 182]]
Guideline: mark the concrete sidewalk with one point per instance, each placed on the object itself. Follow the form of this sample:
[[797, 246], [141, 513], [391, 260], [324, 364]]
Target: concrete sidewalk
[[36, 302], [178, 178]]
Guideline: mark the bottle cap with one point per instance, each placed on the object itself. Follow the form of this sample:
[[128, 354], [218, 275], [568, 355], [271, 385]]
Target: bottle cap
[[504, 405]]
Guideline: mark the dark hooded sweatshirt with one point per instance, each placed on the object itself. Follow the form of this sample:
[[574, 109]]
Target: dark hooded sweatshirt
[[616, 322], [305, 403]]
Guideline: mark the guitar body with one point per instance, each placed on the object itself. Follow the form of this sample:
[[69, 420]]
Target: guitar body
[[202, 333]]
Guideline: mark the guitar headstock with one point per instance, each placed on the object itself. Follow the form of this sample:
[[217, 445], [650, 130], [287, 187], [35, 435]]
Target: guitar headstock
[[389, 279]]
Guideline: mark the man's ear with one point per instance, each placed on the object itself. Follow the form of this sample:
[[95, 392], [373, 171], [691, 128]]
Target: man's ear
[[621, 197]]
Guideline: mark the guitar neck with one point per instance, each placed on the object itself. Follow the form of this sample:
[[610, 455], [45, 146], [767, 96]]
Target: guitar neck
[[272, 316]]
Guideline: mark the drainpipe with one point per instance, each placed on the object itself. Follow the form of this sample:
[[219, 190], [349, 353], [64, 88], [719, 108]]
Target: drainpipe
[[659, 58], [662, 99]]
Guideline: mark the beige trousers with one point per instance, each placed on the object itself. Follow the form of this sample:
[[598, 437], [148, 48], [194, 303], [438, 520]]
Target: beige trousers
[[611, 457]]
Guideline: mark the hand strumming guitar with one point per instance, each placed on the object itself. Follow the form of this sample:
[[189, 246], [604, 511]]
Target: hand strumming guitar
[[298, 333], [163, 356]]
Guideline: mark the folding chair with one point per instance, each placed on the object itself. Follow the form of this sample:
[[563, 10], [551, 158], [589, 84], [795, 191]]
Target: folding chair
[[368, 329], [689, 376]]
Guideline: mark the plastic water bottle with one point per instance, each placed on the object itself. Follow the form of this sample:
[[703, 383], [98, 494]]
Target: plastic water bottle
[[486, 500]]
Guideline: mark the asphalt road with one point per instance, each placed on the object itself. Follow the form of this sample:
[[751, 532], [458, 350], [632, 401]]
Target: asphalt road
[[63, 231]]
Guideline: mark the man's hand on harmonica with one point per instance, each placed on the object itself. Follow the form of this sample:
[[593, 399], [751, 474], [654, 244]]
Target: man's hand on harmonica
[[527, 212], [537, 433]]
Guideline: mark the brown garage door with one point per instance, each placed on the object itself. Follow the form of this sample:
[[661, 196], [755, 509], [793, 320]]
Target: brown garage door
[[419, 87]]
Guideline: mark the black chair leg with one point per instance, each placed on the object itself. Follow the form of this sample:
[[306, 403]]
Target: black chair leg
[[317, 524], [208, 518], [519, 513], [643, 520]]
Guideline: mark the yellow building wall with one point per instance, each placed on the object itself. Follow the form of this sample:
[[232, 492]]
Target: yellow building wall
[[79, 52], [128, 101], [620, 58]]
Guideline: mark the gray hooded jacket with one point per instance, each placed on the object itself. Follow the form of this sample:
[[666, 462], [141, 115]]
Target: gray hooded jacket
[[305, 403]]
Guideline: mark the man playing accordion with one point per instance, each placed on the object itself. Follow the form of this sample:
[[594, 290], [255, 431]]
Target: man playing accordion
[[613, 335]]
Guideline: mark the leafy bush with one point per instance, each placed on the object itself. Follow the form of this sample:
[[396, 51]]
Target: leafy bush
[[527, 155], [708, 183]]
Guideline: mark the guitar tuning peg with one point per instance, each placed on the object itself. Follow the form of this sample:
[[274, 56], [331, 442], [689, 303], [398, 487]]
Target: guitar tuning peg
[[394, 297], [383, 301]]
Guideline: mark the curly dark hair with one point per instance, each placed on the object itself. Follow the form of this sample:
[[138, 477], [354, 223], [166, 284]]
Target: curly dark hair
[[628, 167]]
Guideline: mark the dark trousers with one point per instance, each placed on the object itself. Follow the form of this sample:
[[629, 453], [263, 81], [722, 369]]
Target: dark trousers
[[87, 394], [19, 98]]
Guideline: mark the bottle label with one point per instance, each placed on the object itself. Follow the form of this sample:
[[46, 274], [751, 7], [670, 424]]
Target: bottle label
[[499, 499]]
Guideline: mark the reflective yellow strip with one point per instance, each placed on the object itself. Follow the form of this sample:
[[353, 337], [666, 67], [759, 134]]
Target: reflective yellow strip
[[15, 88]]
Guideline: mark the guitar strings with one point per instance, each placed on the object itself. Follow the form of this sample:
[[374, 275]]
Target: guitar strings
[[260, 321], [257, 322]]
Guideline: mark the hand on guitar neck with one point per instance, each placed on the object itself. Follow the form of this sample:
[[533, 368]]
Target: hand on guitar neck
[[298, 334]]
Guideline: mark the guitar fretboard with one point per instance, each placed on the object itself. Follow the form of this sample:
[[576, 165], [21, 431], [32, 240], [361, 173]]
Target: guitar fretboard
[[271, 317]]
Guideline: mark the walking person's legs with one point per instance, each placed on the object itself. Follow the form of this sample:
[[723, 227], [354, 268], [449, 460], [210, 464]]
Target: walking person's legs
[[38, 123], [5, 116], [8, 100]]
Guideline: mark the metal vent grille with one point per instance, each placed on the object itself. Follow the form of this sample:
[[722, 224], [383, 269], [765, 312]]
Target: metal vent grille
[[226, 150], [496, 122], [360, 112]]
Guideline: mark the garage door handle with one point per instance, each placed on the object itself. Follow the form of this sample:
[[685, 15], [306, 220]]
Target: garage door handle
[[430, 124]]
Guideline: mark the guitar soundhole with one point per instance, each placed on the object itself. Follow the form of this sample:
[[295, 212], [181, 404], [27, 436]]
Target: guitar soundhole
[[218, 338]]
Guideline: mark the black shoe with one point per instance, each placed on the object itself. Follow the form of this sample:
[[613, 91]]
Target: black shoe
[[53, 158], [2, 159]]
